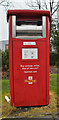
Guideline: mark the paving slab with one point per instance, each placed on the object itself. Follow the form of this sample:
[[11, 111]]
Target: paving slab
[[49, 117]]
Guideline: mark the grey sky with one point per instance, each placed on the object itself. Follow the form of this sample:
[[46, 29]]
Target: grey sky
[[3, 22]]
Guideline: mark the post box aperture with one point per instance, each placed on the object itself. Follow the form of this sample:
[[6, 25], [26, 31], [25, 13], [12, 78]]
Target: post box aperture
[[29, 57], [29, 29]]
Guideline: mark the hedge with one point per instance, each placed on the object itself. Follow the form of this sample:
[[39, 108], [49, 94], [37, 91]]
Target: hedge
[[54, 58]]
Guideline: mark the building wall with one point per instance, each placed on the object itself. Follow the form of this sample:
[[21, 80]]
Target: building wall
[[3, 44]]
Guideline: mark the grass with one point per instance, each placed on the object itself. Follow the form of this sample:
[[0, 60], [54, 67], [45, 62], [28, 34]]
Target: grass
[[7, 108], [53, 83], [5, 87]]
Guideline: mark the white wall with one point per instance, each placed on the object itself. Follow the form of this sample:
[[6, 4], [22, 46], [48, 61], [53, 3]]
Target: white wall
[[3, 25]]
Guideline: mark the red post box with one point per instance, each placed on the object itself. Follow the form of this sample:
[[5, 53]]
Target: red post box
[[29, 57]]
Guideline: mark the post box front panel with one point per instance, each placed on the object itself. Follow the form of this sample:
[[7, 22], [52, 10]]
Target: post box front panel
[[29, 69]]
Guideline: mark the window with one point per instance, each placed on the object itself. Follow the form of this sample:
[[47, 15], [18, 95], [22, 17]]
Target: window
[[6, 47]]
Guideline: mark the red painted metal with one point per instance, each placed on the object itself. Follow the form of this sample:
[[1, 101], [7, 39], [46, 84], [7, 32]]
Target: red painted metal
[[28, 13], [47, 50], [22, 93], [10, 60]]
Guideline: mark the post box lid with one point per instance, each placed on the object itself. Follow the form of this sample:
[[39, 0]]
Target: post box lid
[[28, 13]]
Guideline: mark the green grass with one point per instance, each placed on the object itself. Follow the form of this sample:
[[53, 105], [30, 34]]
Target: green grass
[[53, 82], [6, 107], [5, 86]]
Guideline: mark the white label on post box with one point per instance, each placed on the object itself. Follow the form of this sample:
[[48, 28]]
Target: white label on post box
[[29, 53], [29, 43]]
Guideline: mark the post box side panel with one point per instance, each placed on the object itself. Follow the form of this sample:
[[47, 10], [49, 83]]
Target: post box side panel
[[29, 75], [10, 60], [47, 42]]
